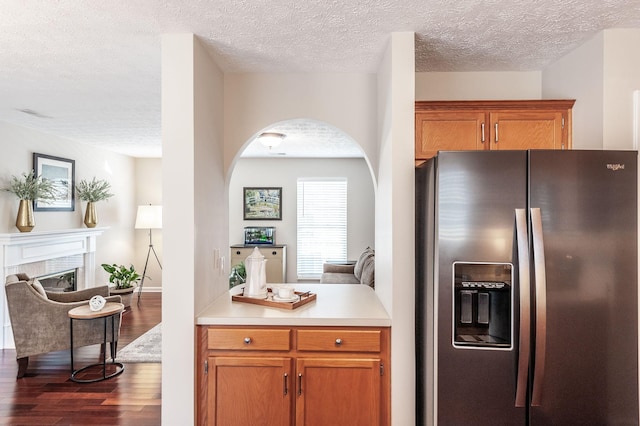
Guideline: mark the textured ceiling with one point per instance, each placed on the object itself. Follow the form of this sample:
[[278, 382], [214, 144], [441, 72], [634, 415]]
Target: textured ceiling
[[89, 70]]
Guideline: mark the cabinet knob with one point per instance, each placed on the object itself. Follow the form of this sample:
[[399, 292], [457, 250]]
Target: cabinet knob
[[237, 251], [247, 340], [338, 342], [274, 253]]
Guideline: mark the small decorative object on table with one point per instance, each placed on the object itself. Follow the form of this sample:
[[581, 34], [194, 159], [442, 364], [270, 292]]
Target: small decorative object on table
[[96, 303]]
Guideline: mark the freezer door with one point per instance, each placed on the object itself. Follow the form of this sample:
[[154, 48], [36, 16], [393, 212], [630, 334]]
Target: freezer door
[[476, 198], [587, 202]]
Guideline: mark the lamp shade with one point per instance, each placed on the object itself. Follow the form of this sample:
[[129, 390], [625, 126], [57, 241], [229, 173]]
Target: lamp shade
[[149, 217]]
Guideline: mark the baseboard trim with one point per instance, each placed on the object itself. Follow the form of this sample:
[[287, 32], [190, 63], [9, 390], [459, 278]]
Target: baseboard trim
[[146, 289]]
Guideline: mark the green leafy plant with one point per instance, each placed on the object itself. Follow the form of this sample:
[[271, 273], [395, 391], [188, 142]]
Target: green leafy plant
[[122, 276], [32, 187], [238, 275], [94, 190], [241, 270]]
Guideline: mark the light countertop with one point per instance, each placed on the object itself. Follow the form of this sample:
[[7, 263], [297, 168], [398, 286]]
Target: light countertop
[[335, 305]]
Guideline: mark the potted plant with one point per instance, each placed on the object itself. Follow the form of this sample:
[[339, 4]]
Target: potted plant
[[92, 192], [124, 279], [238, 275], [29, 188]]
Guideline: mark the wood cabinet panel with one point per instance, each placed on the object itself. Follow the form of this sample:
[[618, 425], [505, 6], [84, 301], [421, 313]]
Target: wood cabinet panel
[[248, 390], [337, 392], [450, 130], [338, 340], [526, 130], [250, 339], [491, 125], [301, 377]]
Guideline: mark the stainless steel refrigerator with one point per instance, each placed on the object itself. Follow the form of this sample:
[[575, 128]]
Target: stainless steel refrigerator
[[526, 286]]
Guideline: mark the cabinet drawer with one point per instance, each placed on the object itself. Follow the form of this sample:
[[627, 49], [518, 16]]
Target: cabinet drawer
[[339, 340], [249, 339]]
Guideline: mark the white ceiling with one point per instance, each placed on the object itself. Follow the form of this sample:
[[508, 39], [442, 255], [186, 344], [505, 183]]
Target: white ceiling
[[89, 70]]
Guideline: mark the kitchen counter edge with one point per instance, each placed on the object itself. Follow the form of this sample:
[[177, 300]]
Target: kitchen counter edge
[[340, 305]]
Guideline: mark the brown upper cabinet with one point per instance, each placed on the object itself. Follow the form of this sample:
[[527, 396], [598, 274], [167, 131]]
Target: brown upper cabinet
[[491, 125]]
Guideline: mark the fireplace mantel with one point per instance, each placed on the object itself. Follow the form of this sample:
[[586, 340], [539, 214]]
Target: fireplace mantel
[[22, 250]]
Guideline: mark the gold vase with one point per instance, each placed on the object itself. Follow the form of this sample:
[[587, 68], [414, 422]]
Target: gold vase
[[91, 215], [25, 221]]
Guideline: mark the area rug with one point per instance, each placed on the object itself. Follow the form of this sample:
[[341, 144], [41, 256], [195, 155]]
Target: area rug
[[146, 348]]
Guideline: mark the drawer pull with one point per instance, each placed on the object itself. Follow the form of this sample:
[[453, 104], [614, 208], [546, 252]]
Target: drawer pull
[[247, 340], [338, 342]]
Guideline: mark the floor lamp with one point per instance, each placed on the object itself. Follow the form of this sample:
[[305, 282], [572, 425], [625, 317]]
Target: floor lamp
[[148, 217]]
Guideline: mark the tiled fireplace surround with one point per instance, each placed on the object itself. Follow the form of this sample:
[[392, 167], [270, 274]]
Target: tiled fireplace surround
[[42, 253]]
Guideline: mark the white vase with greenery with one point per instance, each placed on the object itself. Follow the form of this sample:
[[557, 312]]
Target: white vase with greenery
[[29, 188], [92, 192]]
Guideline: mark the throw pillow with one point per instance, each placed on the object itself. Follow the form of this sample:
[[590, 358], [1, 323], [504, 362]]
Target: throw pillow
[[38, 287], [357, 269], [368, 272]]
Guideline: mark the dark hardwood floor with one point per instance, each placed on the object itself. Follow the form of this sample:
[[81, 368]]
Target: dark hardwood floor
[[46, 395]]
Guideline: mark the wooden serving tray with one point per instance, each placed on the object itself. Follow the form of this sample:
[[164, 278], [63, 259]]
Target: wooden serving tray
[[305, 297]]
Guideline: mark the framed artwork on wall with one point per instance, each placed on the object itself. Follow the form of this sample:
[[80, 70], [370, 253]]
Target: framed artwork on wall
[[61, 171], [262, 203]]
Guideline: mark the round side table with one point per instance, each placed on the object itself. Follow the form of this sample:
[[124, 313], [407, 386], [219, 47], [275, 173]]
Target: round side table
[[110, 310]]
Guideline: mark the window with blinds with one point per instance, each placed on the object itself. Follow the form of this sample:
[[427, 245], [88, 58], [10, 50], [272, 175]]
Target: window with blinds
[[322, 224]]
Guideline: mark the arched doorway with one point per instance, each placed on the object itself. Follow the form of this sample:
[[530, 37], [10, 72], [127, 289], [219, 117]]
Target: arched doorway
[[310, 149]]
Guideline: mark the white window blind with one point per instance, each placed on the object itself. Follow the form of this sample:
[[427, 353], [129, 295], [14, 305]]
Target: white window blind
[[322, 224]]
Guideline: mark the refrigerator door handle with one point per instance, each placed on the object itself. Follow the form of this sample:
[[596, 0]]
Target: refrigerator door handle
[[524, 346], [541, 306]]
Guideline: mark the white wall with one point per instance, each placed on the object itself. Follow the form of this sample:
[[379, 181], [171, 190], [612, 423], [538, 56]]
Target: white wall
[[211, 211], [579, 75], [438, 86], [17, 145], [284, 173], [395, 219], [256, 101], [194, 211], [178, 229], [148, 180], [621, 78]]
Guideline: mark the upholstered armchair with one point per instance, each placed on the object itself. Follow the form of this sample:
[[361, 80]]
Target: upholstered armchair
[[40, 322]]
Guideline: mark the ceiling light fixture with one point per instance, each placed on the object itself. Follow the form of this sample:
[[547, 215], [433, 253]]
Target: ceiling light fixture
[[271, 139]]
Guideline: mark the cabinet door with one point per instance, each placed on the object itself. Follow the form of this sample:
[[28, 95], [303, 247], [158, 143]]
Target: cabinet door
[[448, 131], [338, 392], [274, 268], [527, 130], [238, 255], [275, 256], [249, 391]]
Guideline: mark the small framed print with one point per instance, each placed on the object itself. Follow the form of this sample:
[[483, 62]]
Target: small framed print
[[262, 203], [60, 171]]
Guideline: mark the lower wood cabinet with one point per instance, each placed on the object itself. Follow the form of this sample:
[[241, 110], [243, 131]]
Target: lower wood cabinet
[[294, 376], [248, 391]]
